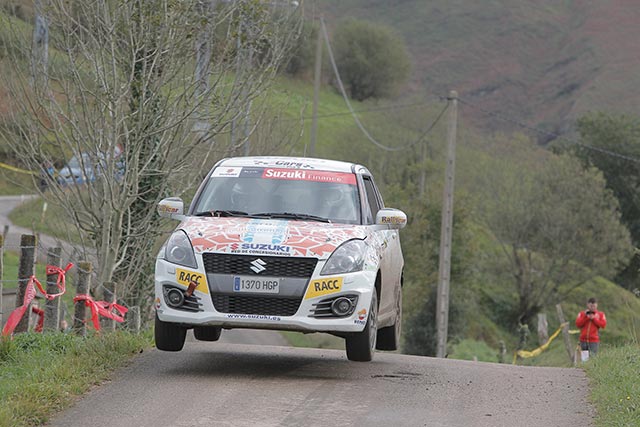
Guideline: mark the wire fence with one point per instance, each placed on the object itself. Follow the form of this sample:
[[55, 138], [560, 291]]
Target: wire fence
[[21, 307]]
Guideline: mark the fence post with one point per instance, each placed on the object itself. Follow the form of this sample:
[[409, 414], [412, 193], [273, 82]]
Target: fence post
[[109, 295], [543, 328], [1, 274], [565, 334], [133, 319], [502, 354], [83, 287], [25, 271], [52, 307]]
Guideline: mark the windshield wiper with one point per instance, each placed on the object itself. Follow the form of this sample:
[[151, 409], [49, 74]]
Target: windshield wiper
[[289, 215], [220, 213]]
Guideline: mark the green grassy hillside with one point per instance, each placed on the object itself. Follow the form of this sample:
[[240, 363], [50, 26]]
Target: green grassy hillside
[[543, 63]]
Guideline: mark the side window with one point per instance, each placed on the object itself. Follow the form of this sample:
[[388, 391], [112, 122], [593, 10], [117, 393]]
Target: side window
[[372, 200]]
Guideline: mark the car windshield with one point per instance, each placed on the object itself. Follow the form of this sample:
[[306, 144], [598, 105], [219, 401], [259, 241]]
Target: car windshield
[[281, 193], [74, 162]]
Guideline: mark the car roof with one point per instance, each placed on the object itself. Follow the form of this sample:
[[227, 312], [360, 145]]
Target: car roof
[[294, 163]]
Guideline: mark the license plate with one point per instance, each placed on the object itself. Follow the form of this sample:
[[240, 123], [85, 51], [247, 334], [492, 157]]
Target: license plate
[[261, 285]]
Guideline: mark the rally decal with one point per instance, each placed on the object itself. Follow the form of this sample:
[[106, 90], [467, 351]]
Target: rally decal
[[362, 317], [226, 172], [185, 277], [309, 175], [323, 286], [268, 237]]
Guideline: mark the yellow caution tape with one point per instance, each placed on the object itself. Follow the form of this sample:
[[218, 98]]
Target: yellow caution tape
[[15, 169], [533, 353]]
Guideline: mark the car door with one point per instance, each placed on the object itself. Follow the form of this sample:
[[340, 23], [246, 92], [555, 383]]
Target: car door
[[389, 244]]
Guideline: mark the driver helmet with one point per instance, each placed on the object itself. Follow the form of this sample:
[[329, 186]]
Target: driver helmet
[[241, 196]]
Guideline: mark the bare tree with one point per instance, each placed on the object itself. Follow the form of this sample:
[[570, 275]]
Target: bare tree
[[122, 93]]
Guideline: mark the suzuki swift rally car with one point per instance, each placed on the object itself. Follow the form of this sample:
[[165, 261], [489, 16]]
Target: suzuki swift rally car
[[286, 244]]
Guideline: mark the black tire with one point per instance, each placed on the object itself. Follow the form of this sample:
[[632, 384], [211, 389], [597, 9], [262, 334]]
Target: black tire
[[207, 333], [389, 337], [361, 346], [169, 336]]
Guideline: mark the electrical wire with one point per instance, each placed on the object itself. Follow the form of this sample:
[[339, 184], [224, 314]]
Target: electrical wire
[[346, 100]]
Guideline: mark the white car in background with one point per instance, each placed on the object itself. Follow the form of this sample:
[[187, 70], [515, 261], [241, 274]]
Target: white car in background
[[282, 243]]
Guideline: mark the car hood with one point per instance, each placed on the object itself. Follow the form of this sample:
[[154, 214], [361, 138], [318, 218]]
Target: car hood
[[268, 236]]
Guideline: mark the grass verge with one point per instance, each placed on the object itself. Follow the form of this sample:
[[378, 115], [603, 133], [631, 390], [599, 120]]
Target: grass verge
[[43, 373], [615, 390]]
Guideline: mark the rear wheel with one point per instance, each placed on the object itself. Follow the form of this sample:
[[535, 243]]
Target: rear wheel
[[169, 336], [207, 333], [361, 346], [389, 337]]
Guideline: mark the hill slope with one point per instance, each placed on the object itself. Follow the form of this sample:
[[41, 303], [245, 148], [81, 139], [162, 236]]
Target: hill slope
[[543, 63]]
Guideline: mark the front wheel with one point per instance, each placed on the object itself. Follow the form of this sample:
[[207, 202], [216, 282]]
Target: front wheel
[[207, 333], [361, 346], [389, 337], [169, 336]]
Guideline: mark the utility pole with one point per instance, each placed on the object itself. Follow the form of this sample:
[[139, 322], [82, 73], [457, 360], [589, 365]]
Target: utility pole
[[203, 59], [316, 89], [40, 47], [446, 230]]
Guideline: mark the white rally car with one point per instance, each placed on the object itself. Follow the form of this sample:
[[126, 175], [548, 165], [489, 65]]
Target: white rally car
[[282, 243]]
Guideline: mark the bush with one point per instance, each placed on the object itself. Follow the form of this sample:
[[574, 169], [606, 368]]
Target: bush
[[372, 61]]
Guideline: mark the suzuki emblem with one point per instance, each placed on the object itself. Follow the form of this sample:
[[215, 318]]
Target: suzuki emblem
[[258, 266]]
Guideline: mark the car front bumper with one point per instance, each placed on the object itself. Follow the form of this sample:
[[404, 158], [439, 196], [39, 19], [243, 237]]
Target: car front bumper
[[360, 284]]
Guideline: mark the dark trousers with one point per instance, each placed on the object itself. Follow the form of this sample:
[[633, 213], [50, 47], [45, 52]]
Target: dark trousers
[[591, 346]]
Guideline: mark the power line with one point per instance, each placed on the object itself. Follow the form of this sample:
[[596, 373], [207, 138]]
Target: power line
[[344, 94], [552, 135]]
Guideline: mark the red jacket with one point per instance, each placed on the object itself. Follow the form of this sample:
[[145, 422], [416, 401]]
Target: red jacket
[[589, 327]]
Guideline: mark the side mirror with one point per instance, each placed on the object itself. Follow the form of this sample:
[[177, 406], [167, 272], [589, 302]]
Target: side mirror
[[172, 207], [394, 218]]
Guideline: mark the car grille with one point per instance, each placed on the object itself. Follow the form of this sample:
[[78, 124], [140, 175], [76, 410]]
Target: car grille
[[274, 266], [256, 305]]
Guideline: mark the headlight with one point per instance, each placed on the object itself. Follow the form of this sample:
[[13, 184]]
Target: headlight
[[346, 259], [179, 250]]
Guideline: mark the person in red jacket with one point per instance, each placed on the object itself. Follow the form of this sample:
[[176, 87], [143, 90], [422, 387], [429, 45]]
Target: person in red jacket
[[590, 321]]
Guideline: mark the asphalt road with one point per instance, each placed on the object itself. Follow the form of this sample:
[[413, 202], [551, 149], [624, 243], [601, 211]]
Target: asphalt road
[[12, 239], [223, 384]]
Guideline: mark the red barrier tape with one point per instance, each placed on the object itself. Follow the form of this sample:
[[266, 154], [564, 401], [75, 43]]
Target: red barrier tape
[[40, 313], [30, 294], [16, 315], [60, 283], [102, 308]]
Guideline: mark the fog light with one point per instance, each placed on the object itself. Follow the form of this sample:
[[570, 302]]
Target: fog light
[[175, 298], [341, 306]]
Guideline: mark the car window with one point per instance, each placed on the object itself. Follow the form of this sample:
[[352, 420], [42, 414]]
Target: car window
[[372, 199], [330, 195]]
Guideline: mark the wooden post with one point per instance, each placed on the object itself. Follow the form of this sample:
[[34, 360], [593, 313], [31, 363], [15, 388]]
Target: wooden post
[[52, 307], [108, 295], [543, 328], [133, 319], [565, 334], [1, 274], [26, 270], [83, 287], [5, 232], [502, 355]]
